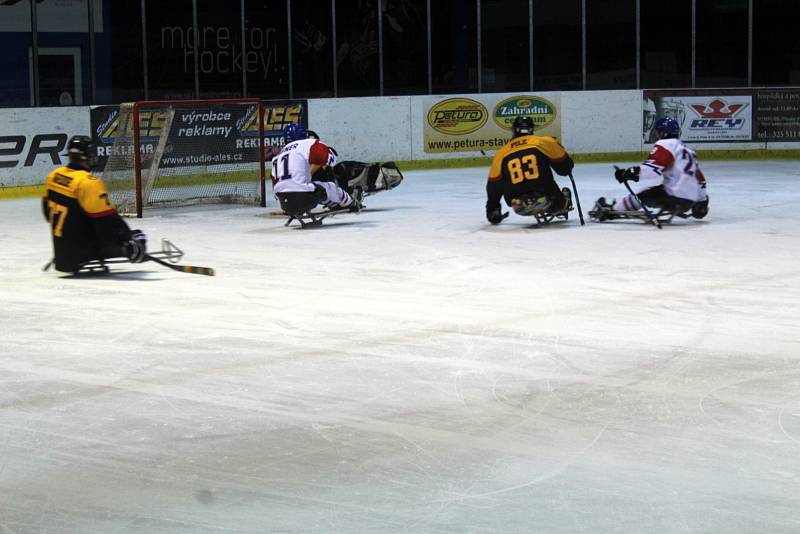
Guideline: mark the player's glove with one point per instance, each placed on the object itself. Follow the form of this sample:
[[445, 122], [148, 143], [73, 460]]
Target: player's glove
[[135, 248], [494, 216], [631, 174]]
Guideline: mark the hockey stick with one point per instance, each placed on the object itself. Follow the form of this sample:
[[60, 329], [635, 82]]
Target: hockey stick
[[653, 219], [170, 254], [577, 199], [208, 271]]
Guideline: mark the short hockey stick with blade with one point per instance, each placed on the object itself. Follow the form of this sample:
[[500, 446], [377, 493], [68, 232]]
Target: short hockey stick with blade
[[577, 199], [653, 219], [192, 269]]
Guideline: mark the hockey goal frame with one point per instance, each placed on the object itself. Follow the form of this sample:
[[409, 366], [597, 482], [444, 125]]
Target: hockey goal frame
[[137, 156]]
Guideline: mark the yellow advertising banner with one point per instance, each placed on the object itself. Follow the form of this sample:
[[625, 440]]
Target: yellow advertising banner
[[483, 122]]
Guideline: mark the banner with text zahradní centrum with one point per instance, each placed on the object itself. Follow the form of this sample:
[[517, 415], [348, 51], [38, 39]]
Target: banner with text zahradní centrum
[[483, 122]]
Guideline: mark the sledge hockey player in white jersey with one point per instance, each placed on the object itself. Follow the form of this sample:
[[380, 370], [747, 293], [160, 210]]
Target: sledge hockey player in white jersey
[[293, 175], [682, 187]]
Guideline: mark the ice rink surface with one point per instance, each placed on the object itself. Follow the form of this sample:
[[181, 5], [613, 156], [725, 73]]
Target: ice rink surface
[[413, 369]]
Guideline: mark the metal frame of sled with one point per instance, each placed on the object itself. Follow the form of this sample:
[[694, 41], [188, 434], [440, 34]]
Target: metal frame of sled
[[168, 253], [547, 217], [312, 219], [662, 216]]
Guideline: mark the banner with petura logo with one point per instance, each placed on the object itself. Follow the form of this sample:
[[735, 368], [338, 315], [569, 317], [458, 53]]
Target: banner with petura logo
[[483, 122]]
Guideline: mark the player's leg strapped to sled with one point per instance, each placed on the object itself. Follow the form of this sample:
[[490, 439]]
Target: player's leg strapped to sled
[[544, 206], [339, 189], [299, 205], [632, 207]]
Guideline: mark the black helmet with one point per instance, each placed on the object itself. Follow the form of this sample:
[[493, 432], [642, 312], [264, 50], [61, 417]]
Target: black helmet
[[522, 126], [82, 151]]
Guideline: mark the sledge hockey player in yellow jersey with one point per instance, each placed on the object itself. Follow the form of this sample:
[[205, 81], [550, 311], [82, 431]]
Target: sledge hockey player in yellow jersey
[[84, 223], [521, 173]]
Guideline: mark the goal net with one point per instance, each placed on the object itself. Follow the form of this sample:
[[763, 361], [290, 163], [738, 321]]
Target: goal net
[[184, 152]]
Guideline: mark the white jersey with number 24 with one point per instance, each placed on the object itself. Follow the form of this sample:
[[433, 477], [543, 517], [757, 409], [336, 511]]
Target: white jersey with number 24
[[676, 166]]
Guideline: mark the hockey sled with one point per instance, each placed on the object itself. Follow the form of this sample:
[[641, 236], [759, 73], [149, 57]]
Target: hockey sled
[[169, 253], [301, 206], [661, 216], [658, 214], [539, 212], [311, 219], [168, 256], [614, 215], [357, 178]]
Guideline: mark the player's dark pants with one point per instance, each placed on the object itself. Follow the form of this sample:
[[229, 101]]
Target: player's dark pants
[[73, 263], [298, 203], [657, 197]]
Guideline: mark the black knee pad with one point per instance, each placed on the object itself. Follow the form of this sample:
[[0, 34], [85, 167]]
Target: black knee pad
[[700, 209]]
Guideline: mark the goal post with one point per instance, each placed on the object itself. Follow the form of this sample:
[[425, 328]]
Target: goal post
[[185, 152]]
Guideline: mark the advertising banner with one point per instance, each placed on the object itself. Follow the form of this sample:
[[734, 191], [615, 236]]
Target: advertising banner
[[201, 134], [33, 141], [721, 115], [777, 114], [483, 122]]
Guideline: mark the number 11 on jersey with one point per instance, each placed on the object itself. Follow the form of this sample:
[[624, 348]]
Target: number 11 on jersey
[[280, 168]]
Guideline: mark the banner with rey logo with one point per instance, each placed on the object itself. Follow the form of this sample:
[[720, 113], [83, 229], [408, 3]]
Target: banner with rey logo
[[703, 116], [725, 115]]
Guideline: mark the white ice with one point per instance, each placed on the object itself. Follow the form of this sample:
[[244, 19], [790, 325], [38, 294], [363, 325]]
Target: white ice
[[413, 369]]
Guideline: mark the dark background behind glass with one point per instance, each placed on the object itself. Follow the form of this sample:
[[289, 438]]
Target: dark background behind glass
[[267, 47], [454, 27], [557, 45], [357, 48], [170, 57], [504, 46], [666, 50], [405, 47], [312, 48], [220, 49], [722, 43], [611, 44], [15, 86], [776, 47], [61, 56], [127, 56], [665, 53]]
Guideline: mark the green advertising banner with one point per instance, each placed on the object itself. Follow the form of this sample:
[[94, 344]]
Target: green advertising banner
[[483, 122]]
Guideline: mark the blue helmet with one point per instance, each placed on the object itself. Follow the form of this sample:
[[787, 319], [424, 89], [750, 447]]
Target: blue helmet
[[294, 132], [667, 127]]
